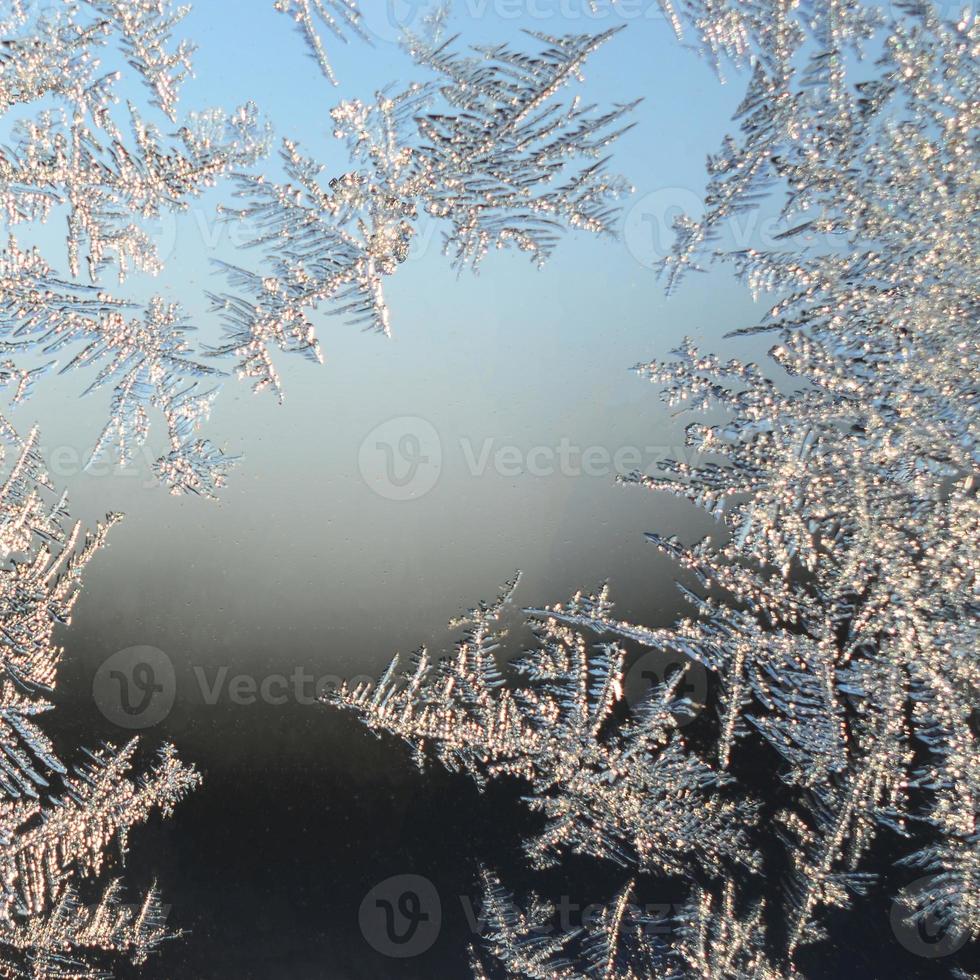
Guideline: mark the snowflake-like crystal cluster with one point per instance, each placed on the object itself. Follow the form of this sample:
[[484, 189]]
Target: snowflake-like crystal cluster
[[339, 17], [71, 157], [836, 603], [56, 825], [486, 150]]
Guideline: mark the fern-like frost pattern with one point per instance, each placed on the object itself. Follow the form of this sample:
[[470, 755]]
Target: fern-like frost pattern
[[57, 824], [834, 604]]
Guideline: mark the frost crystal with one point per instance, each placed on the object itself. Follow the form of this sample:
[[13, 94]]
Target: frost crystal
[[69, 155], [56, 826], [618, 792], [485, 150], [144, 27], [337, 16], [835, 604], [620, 941]]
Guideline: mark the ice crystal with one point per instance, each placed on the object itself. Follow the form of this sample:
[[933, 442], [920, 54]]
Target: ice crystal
[[634, 793], [849, 503], [717, 940], [145, 26], [56, 824], [835, 602], [69, 155], [486, 150], [620, 941], [337, 16], [713, 939]]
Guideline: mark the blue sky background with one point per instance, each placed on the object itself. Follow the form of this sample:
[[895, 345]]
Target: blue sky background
[[301, 559]]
